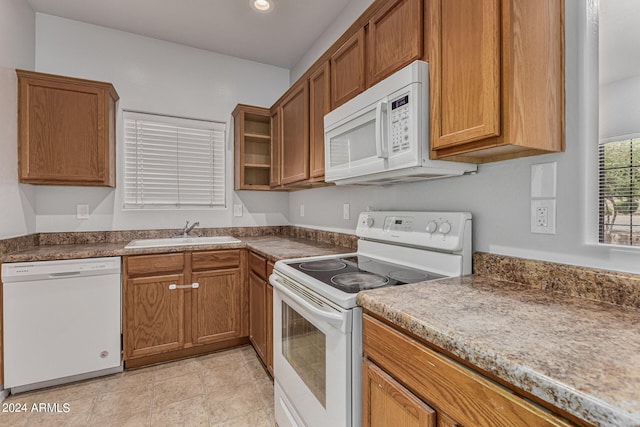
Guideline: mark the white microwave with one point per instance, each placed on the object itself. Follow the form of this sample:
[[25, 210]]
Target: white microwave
[[382, 135]]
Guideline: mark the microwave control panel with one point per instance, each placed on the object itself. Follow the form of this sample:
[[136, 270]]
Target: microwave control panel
[[400, 123]]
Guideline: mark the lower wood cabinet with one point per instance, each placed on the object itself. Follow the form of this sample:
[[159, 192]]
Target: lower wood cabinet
[[261, 308], [176, 305], [403, 379], [387, 403]]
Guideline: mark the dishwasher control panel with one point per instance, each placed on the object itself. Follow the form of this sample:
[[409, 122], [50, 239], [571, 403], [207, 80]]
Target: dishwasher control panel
[[23, 271]]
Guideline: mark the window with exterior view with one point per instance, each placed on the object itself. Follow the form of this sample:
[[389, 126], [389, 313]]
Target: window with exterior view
[[620, 192]]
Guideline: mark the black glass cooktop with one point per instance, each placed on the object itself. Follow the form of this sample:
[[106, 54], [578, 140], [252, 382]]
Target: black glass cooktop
[[359, 273]]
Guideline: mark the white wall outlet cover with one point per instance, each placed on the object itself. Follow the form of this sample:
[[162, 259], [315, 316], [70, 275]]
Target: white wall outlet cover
[[543, 180], [301, 210], [82, 211], [237, 210], [345, 211], [543, 216]]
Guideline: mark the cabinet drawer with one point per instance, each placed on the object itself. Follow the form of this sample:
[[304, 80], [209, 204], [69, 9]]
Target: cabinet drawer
[[439, 381], [212, 260], [258, 265], [144, 265]]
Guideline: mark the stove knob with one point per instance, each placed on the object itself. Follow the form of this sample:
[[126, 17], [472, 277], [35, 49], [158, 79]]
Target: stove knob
[[444, 228], [431, 227], [369, 221]]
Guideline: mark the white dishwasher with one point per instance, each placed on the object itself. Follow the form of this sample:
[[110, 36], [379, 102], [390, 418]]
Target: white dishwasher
[[62, 321]]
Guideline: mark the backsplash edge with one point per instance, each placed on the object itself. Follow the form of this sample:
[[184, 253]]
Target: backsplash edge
[[613, 287]]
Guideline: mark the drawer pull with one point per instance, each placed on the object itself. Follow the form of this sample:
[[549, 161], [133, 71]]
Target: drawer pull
[[173, 286], [195, 285]]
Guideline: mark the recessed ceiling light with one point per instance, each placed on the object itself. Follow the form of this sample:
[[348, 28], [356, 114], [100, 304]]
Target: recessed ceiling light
[[262, 5]]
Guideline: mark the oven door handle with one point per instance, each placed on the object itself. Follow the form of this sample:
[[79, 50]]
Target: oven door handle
[[332, 318]]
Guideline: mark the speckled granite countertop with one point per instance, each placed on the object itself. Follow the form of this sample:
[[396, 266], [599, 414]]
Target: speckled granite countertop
[[579, 355], [272, 247], [277, 248]]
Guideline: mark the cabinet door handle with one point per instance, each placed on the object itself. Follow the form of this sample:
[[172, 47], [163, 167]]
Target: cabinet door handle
[[173, 286]]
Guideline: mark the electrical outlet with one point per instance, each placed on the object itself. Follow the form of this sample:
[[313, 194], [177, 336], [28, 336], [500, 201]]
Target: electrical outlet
[[345, 211], [301, 210], [543, 216], [237, 210]]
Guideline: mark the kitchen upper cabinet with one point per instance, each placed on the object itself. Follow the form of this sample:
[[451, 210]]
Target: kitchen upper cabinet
[[294, 134], [319, 98], [458, 396], [348, 71], [276, 128], [395, 38], [387, 403], [66, 130], [181, 304], [497, 78], [252, 147]]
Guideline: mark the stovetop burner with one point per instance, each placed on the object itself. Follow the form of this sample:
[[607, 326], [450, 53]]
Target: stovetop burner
[[323, 265], [359, 281], [357, 273]]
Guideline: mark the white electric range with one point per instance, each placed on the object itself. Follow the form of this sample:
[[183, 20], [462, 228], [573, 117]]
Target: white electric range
[[318, 325]]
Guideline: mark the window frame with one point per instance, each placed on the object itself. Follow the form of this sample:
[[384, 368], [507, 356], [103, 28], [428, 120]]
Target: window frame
[[219, 147]]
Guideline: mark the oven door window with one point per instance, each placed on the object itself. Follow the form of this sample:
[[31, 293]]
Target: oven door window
[[304, 347]]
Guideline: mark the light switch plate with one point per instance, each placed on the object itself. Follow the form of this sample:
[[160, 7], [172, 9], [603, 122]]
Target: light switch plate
[[301, 210], [543, 180], [237, 210], [82, 211], [345, 211]]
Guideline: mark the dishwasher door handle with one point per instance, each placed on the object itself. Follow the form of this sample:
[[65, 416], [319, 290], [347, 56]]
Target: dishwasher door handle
[[64, 274]]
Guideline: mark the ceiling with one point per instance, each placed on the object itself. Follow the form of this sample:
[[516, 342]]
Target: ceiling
[[280, 37], [619, 33]]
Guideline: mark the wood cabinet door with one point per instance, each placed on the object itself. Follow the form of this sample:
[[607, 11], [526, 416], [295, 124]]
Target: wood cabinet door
[[319, 98], [464, 71], [216, 306], [154, 315], [276, 142], [257, 324], [294, 155], [387, 403], [395, 38], [64, 133], [348, 76]]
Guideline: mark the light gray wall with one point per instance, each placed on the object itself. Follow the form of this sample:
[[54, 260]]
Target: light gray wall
[[499, 195], [158, 77], [620, 108], [17, 34], [17, 50]]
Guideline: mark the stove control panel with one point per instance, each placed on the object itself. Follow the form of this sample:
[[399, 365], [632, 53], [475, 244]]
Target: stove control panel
[[447, 231]]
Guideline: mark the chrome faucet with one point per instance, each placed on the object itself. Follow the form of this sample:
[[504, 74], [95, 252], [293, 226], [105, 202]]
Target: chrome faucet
[[187, 229]]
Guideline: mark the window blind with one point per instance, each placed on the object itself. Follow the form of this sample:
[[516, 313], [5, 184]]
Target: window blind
[[619, 192], [173, 162]]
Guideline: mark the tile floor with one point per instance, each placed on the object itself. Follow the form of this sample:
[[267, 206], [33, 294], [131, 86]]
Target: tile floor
[[227, 388]]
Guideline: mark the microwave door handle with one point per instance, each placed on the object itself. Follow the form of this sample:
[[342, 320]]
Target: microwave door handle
[[381, 151]]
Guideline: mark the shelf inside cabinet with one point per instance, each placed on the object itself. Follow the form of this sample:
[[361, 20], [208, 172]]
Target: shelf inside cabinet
[[252, 147]]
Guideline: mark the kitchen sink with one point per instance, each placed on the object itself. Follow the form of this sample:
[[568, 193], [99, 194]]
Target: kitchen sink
[[181, 241]]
